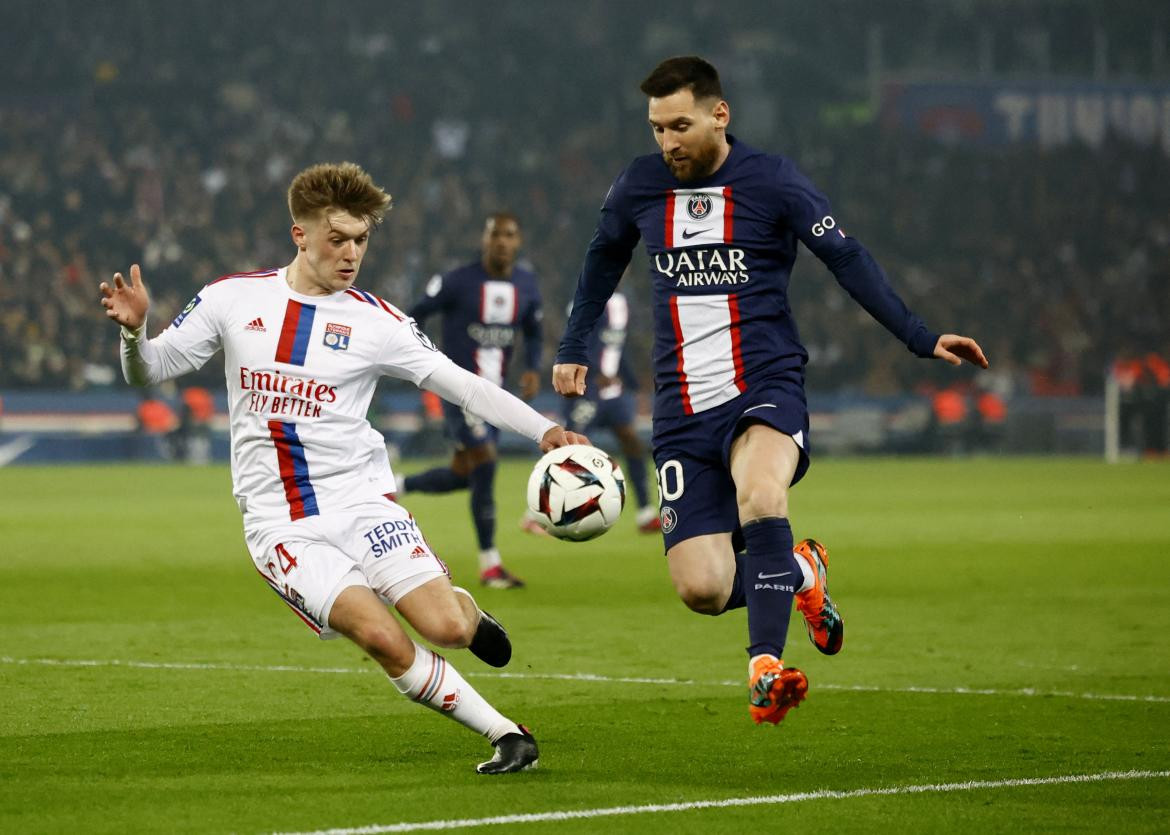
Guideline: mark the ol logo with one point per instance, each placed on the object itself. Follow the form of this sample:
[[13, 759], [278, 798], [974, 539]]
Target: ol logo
[[337, 336], [698, 206], [668, 518]]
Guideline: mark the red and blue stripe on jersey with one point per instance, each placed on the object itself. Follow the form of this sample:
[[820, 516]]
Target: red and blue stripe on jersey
[[295, 332], [294, 470], [370, 298]]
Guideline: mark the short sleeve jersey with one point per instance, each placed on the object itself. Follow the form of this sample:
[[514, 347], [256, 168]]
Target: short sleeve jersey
[[301, 371]]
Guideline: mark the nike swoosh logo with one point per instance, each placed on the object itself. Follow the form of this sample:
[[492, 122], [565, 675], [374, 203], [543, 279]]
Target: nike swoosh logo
[[763, 576], [687, 234]]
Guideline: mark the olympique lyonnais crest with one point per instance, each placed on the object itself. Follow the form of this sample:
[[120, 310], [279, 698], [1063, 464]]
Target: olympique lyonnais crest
[[698, 206], [337, 336]]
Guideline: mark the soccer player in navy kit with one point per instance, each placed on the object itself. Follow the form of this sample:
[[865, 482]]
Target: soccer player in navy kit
[[721, 221], [483, 305]]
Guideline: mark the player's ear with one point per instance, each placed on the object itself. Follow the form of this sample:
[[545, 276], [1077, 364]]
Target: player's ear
[[298, 236], [722, 114]]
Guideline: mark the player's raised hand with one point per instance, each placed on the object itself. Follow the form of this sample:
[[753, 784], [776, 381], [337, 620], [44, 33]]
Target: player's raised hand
[[559, 436], [126, 304], [954, 349], [569, 379]]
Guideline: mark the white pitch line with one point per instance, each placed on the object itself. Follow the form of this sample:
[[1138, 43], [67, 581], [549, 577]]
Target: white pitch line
[[583, 677], [766, 800]]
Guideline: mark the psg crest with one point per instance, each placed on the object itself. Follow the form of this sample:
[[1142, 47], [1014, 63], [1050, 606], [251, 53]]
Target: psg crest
[[337, 336], [698, 206]]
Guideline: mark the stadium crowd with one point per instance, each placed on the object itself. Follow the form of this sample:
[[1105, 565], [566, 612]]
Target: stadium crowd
[[173, 145]]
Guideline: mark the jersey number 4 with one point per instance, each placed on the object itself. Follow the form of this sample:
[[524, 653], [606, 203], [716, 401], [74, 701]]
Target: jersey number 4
[[286, 560]]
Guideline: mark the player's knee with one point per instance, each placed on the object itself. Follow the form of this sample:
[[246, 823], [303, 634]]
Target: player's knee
[[452, 632], [701, 594], [767, 498]]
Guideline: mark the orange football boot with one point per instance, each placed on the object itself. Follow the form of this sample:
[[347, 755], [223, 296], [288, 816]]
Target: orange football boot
[[772, 689], [826, 629]]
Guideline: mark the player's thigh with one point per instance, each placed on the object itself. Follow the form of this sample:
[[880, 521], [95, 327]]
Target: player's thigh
[[763, 462], [436, 613], [697, 495], [360, 615], [388, 545], [306, 570], [702, 569]]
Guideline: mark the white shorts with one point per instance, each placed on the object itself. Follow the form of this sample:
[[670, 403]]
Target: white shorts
[[309, 562]]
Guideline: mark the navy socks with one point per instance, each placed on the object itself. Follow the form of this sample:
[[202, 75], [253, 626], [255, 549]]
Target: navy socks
[[769, 578], [483, 503], [738, 598], [438, 480]]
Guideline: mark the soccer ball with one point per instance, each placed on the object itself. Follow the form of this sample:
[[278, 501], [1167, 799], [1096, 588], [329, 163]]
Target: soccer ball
[[576, 492]]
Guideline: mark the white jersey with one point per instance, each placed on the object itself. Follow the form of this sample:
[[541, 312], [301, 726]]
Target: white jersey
[[301, 372]]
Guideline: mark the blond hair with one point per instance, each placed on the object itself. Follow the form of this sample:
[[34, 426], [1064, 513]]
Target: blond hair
[[344, 186]]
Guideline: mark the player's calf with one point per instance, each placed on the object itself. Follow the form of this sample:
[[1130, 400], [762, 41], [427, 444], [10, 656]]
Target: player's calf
[[490, 643]]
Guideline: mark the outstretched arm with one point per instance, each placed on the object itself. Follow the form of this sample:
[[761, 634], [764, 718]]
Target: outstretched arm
[[175, 351], [496, 406], [810, 217]]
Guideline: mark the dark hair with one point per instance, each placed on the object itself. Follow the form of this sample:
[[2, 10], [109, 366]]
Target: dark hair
[[342, 186], [683, 71]]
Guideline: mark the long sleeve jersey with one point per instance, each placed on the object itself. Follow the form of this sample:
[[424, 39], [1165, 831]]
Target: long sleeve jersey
[[301, 371], [721, 252]]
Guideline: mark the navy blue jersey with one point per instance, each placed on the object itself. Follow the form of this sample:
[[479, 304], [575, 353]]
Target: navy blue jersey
[[721, 251], [481, 315], [606, 350]]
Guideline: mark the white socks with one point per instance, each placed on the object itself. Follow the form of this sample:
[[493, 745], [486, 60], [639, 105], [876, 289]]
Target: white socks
[[432, 681], [810, 577], [488, 558]]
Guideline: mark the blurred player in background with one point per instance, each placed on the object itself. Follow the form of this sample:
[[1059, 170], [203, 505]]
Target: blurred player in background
[[611, 403], [721, 221], [483, 305], [303, 350]]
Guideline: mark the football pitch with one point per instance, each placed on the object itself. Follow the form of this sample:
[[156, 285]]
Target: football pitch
[[1006, 668]]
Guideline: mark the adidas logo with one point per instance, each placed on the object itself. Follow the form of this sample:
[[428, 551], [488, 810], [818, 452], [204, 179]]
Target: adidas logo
[[418, 551], [256, 324]]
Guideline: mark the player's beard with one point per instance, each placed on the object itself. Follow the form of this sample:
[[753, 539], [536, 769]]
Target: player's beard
[[697, 165]]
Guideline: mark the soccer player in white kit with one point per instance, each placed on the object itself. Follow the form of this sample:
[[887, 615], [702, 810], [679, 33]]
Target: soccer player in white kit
[[303, 350]]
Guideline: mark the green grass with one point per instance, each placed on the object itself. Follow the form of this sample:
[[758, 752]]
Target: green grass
[[1003, 575]]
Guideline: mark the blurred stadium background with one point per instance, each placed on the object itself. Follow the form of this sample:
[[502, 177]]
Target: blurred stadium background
[[1006, 163]]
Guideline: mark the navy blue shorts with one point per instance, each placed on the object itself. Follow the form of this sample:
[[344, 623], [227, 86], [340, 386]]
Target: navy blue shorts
[[692, 457], [467, 430], [584, 414]]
